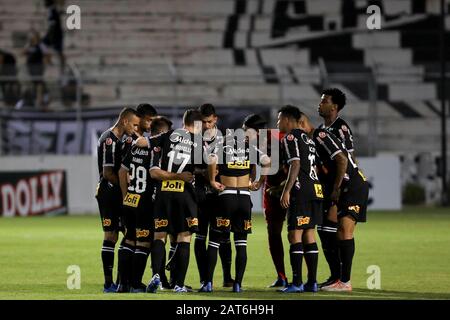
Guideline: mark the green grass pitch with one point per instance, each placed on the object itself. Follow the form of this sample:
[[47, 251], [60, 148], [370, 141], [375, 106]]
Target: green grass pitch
[[410, 247]]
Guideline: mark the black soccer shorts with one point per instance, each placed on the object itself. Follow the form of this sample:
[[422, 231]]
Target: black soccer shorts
[[138, 212], [206, 210], [233, 212], [353, 200], [303, 213], [175, 212], [109, 199]]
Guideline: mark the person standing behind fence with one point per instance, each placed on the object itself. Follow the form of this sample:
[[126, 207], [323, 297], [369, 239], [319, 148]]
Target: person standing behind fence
[[37, 56], [54, 35]]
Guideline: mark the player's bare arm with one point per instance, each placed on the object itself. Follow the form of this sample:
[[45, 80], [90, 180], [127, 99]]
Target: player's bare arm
[[294, 170], [212, 173], [123, 181], [110, 176], [341, 168], [265, 167]]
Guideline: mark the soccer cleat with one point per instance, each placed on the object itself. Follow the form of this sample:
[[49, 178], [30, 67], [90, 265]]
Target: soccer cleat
[[328, 282], [338, 286], [311, 287], [280, 282], [154, 284], [206, 287], [237, 287], [292, 289], [111, 289], [179, 289]]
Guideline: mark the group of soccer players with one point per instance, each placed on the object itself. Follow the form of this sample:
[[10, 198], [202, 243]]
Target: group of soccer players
[[157, 182]]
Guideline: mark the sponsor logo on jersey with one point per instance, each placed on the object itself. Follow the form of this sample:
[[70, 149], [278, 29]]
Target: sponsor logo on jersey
[[354, 208], [109, 141], [139, 152], [106, 222], [247, 224], [222, 222], [302, 220], [177, 137], [344, 128], [172, 186], [290, 137], [157, 149], [239, 165], [322, 134], [129, 140], [131, 200], [160, 223], [319, 191], [192, 222], [141, 233]]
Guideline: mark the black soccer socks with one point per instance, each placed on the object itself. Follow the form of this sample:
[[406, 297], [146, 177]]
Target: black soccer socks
[[158, 252], [240, 241], [346, 252], [108, 261], [201, 256], [327, 233], [214, 243], [126, 252], [225, 254], [311, 254], [181, 262], [296, 256], [138, 265]]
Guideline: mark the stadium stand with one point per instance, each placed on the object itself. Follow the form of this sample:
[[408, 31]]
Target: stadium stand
[[254, 52]]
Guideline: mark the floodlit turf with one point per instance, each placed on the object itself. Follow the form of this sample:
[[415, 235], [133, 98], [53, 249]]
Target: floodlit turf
[[410, 247]]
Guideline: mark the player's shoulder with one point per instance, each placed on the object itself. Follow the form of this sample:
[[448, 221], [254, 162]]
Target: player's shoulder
[[320, 133], [108, 137], [341, 124], [128, 140]]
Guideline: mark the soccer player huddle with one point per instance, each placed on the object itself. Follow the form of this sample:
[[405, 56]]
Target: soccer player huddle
[[158, 184]]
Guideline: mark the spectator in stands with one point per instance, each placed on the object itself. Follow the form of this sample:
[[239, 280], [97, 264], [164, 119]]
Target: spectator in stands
[[37, 56], [9, 85], [54, 35]]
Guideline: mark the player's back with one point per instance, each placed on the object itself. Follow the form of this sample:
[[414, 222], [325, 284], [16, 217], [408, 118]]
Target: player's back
[[328, 146], [177, 156]]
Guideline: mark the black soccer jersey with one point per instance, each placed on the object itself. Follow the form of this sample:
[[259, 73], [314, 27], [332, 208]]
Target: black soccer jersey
[[298, 146], [340, 129], [237, 156], [127, 143], [328, 146], [201, 182], [177, 156], [138, 162], [109, 152]]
